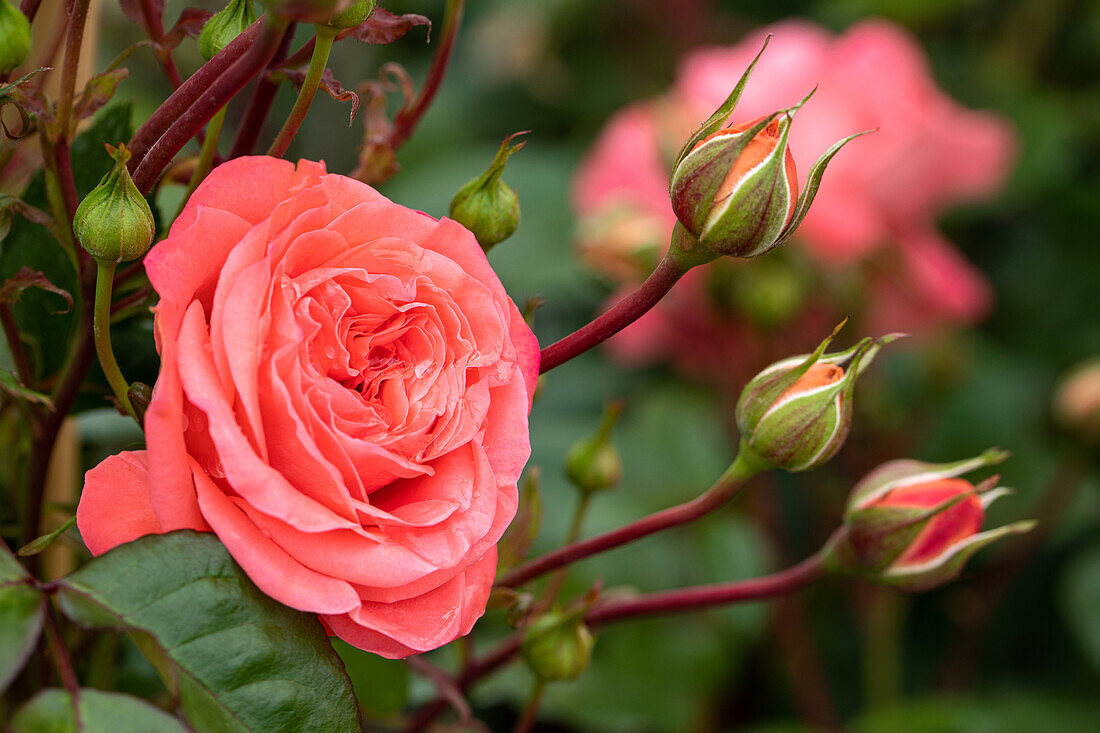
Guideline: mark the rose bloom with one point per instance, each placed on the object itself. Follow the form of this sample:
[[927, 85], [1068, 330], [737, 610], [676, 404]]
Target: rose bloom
[[878, 202], [343, 400]]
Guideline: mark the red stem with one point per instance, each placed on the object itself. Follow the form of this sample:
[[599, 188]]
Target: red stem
[[197, 85], [15, 346], [406, 120], [213, 98], [745, 466], [259, 104], [707, 596], [621, 315], [29, 8]]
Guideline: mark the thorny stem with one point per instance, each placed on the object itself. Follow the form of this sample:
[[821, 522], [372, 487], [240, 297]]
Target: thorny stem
[[406, 120], [259, 105], [213, 98], [206, 156], [746, 465], [783, 582], [621, 315], [196, 85], [104, 284], [317, 62]]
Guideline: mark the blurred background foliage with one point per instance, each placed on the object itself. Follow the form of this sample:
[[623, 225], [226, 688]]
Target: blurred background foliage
[[1014, 645]]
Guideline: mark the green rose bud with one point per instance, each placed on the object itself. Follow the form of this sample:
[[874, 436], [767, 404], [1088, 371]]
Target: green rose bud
[[486, 205], [593, 464], [353, 16], [15, 37], [558, 646], [914, 525], [796, 413], [226, 25], [114, 222]]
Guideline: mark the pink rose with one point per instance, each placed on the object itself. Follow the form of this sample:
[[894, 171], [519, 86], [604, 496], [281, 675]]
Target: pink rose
[[343, 400]]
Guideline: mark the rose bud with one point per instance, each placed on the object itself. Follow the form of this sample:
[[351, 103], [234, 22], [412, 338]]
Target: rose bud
[[486, 205], [593, 464], [114, 222], [914, 525], [224, 26], [15, 37], [736, 189], [1077, 402], [558, 646], [796, 413], [353, 16]]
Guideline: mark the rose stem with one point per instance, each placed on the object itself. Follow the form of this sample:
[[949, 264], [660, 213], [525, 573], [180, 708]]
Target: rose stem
[[553, 586], [259, 104], [29, 8], [317, 61], [188, 92], [104, 284], [212, 99], [621, 315], [64, 663], [154, 28], [692, 598], [746, 465], [206, 156], [15, 346], [406, 120], [530, 712]]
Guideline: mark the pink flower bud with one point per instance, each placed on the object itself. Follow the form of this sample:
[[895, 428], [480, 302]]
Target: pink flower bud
[[914, 525], [1077, 402]]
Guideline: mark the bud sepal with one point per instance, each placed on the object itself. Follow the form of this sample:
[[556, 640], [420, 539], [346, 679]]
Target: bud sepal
[[913, 525], [796, 413], [114, 222], [224, 26], [558, 645], [15, 37], [486, 205]]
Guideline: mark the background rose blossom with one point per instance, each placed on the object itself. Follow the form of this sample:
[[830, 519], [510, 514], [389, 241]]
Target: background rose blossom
[[880, 197], [343, 400]]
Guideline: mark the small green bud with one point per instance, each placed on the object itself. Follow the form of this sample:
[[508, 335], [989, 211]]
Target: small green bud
[[593, 464], [557, 646], [114, 222], [15, 37], [353, 16], [796, 413], [226, 25], [486, 205]]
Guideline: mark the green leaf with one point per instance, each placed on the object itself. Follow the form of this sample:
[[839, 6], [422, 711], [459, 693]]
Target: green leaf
[[51, 711], [238, 660], [382, 685], [22, 611], [1081, 601]]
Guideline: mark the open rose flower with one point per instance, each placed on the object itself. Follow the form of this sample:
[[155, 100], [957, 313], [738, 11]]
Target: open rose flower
[[343, 400]]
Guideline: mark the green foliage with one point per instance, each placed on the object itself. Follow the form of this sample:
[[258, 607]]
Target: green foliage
[[381, 685], [51, 711], [22, 610], [238, 660], [1081, 601]]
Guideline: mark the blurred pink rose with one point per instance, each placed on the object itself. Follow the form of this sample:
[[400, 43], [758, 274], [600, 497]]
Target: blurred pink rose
[[880, 197], [343, 400]]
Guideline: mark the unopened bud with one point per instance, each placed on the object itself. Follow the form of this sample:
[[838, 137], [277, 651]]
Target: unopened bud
[[15, 37], [114, 222], [735, 189], [486, 205], [224, 26], [140, 395], [557, 646], [1077, 402], [914, 525], [593, 464], [353, 16], [796, 413]]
